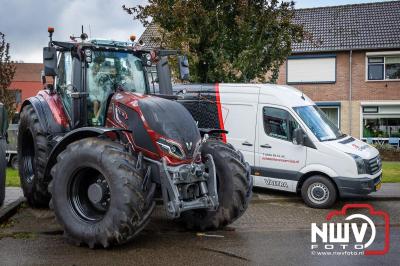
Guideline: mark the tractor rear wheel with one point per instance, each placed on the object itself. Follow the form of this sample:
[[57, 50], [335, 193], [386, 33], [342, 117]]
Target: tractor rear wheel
[[98, 193], [234, 186], [3, 164], [32, 156]]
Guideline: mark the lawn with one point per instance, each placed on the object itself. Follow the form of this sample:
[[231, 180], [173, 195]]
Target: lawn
[[391, 174], [12, 178]]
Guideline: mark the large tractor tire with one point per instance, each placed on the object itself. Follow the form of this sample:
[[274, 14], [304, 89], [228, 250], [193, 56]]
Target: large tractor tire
[[32, 157], [234, 186], [99, 195], [3, 165], [14, 162]]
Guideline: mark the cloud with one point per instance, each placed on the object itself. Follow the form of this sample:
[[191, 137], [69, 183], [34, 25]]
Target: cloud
[[25, 23]]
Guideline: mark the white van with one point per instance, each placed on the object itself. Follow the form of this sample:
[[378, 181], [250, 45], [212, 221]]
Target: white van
[[289, 142]]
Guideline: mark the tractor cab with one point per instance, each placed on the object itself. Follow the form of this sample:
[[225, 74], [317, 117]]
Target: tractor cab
[[88, 72]]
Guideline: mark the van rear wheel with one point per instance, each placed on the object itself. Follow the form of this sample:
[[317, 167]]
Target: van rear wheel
[[319, 192]]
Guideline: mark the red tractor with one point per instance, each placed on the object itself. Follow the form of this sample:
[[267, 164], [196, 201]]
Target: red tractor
[[96, 147]]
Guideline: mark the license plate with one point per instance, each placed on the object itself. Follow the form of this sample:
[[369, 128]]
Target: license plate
[[378, 186]]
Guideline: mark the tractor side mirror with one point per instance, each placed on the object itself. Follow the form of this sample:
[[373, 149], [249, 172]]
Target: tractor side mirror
[[298, 136], [183, 67], [50, 61]]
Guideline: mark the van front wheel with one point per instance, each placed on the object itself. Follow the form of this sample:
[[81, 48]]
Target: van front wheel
[[319, 192]]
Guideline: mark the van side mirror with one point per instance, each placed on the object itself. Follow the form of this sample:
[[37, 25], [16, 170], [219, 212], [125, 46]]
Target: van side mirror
[[183, 67], [298, 136], [50, 61]]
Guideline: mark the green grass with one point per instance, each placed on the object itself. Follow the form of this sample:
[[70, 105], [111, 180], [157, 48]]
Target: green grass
[[391, 174], [12, 178]]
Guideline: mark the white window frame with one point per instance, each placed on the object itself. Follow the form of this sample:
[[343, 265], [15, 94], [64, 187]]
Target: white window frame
[[379, 54]]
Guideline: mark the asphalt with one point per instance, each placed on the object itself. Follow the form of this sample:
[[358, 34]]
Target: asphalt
[[13, 199], [275, 230]]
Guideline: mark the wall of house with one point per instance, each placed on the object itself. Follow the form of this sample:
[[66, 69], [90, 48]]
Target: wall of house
[[362, 90], [28, 89]]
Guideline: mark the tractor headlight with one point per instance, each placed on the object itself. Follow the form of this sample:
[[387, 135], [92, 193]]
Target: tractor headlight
[[171, 148], [361, 166]]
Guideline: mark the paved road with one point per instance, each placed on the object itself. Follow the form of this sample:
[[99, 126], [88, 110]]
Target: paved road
[[272, 232]]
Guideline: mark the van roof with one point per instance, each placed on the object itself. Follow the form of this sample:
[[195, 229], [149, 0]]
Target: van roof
[[270, 93]]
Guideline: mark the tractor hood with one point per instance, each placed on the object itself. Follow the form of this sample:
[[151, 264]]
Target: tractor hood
[[171, 120]]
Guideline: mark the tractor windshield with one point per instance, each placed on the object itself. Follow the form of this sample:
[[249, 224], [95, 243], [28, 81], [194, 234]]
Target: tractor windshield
[[108, 72]]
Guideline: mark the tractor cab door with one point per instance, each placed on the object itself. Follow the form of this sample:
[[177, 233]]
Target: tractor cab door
[[64, 80], [100, 83]]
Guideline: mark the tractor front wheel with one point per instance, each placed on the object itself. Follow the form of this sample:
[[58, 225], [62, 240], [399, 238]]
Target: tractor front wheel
[[98, 193], [234, 186], [32, 157]]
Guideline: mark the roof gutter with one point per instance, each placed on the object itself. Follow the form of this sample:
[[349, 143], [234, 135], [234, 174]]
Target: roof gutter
[[394, 48]]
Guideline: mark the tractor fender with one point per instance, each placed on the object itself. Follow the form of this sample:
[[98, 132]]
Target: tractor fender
[[45, 115], [72, 136]]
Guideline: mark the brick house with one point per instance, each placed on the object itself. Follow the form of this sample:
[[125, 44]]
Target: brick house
[[351, 67], [27, 81]]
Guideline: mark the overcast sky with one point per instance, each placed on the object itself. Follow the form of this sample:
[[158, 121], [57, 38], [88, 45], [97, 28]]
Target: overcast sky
[[25, 22]]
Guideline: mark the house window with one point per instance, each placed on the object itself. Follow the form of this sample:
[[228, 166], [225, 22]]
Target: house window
[[383, 67], [381, 127], [311, 69], [332, 112], [370, 109], [382, 124]]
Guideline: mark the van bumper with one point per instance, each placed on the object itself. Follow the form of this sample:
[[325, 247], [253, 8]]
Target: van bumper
[[348, 186]]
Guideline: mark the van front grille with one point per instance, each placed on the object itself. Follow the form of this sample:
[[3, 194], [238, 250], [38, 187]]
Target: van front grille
[[374, 165]]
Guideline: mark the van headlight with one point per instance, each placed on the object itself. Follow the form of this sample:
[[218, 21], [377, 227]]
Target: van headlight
[[171, 148], [361, 166]]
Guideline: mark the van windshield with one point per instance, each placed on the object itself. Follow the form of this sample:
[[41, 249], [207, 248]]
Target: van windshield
[[317, 121]]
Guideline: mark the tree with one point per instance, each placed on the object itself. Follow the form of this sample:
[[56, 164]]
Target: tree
[[7, 71], [226, 40]]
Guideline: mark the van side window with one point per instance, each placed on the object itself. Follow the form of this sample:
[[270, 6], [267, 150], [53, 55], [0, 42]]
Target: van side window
[[278, 123]]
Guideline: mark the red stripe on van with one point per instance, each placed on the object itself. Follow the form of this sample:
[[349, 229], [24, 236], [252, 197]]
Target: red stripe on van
[[220, 119]]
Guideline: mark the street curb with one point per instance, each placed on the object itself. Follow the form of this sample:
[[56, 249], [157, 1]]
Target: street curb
[[375, 198], [273, 200], [258, 200], [10, 209]]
